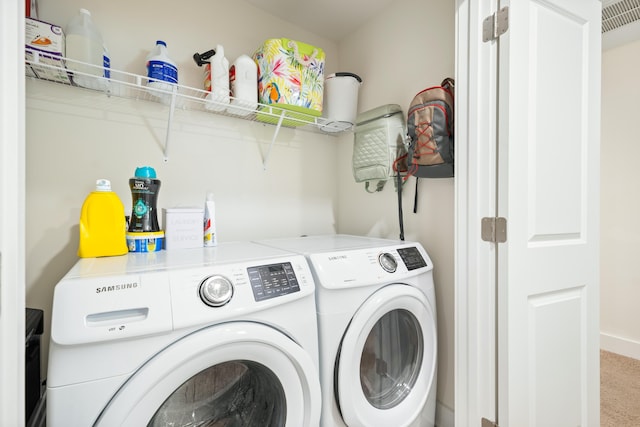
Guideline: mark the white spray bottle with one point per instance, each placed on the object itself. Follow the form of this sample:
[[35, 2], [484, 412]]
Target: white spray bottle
[[210, 234], [219, 81]]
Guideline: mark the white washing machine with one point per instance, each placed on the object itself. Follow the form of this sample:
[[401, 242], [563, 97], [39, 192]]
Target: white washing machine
[[222, 336], [377, 324]]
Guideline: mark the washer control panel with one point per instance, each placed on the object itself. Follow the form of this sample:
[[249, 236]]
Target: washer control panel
[[222, 291], [273, 280]]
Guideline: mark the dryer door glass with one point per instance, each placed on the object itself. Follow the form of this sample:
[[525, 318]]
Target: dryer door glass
[[236, 393], [391, 359]]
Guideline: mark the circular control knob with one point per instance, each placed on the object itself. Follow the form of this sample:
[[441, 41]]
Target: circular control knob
[[216, 291], [387, 262]]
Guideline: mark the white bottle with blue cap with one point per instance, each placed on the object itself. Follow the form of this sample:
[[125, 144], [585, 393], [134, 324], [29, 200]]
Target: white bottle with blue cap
[[162, 71]]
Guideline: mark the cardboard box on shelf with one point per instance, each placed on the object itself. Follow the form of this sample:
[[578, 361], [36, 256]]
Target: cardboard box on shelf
[[47, 42]]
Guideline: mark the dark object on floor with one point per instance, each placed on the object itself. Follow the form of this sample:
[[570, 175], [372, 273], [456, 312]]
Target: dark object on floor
[[33, 390]]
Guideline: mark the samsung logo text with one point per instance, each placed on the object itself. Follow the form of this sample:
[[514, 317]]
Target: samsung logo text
[[113, 288]]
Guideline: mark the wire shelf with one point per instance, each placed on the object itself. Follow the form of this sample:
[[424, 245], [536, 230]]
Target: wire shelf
[[126, 85]]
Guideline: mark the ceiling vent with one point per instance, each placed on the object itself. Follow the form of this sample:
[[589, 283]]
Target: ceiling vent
[[616, 14]]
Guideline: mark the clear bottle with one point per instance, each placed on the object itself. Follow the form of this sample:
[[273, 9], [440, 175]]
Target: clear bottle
[[162, 71], [243, 85], [219, 94], [84, 43], [102, 223]]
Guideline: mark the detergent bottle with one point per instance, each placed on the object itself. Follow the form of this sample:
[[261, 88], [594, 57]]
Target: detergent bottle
[[102, 223], [243, 85], [144, 197]]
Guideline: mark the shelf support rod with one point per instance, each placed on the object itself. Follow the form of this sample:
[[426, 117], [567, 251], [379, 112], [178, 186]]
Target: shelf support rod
[[172, 107], [275, 135]]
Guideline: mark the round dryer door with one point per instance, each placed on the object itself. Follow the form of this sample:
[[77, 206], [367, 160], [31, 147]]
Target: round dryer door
[[387, 360], [233, 374]]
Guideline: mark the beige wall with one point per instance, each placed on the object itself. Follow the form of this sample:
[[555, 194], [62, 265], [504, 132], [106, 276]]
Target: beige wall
[[398, 54], [620, 210], [73, 138]]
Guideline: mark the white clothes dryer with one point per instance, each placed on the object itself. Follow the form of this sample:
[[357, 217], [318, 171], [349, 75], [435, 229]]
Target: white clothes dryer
[[377, 325], [222, 336]]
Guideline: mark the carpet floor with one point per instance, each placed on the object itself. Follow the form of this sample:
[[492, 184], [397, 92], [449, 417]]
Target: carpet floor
[[619, 390]]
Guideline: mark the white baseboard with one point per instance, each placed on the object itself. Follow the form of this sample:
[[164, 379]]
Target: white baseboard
[[444, 416], [623, 346]]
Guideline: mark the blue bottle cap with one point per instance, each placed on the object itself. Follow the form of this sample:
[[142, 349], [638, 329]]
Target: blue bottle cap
[[145, 172]]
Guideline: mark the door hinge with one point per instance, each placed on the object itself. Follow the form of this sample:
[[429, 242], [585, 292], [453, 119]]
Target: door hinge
[[487, 423], [494, 229], [495, 25]]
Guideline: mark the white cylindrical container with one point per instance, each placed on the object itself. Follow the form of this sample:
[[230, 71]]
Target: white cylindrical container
[[84, 43], [340, 101], [162, 71], [243, 84], [210, 232], [219, 94]]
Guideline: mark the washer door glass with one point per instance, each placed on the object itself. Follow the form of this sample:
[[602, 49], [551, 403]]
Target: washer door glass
[[232, 374], [391, 359], [236, 393], [386, 365]]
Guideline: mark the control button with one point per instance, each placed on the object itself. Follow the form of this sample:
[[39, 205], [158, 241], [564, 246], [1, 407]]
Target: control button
[[387, 262], [216, 291]]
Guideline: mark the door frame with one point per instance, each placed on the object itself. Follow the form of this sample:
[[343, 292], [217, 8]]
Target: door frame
[[12, 218], [475, 197]]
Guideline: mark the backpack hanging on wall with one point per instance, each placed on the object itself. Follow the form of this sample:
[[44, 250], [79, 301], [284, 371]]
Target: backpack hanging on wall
[[379, 141], [430, 131]]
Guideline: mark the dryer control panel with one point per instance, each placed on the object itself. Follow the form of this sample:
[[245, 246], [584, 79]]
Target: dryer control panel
[[412, 258], [364, 267]]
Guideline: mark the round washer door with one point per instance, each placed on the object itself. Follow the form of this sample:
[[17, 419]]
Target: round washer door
[[387, 359], [241, 364]]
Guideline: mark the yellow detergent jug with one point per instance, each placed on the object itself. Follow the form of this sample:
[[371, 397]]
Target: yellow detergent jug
[[102, 223]]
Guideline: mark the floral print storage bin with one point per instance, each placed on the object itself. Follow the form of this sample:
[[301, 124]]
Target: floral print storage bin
[[291, 76]]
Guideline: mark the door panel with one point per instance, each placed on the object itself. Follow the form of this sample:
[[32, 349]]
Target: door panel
[[556, 322], [556, 142], [548, 189]]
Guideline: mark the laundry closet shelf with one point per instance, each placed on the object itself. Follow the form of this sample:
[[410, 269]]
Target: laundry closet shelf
[[133, 86]]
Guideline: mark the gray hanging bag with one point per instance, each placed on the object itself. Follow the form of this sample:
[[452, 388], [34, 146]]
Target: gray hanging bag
[[380, 146]]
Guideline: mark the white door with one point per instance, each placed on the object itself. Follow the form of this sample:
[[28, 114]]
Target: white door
[[534, 90], [386, 366], [238, 373], [548, 190]]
